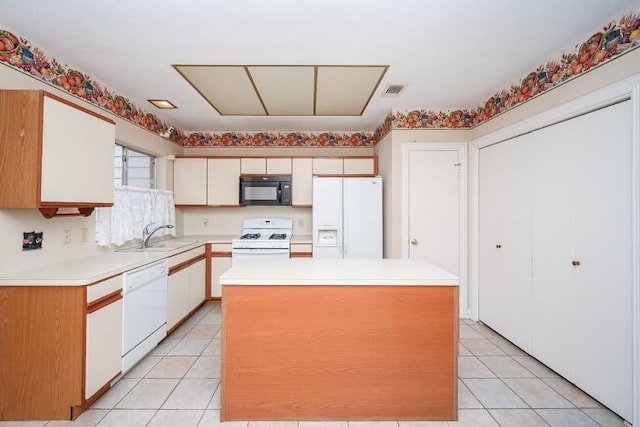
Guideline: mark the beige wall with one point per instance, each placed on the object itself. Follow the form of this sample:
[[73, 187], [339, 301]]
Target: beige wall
[[228, 221], [15, 221]]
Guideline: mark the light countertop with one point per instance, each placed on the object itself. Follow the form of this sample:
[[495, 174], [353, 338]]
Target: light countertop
[[310, 271], [87, 270]]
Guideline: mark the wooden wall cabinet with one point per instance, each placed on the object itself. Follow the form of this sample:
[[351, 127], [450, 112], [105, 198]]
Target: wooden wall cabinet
[[186, 285], [60, 347], [53, 153]]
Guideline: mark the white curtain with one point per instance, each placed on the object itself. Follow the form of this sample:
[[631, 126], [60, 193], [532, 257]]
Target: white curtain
[[134, 208]]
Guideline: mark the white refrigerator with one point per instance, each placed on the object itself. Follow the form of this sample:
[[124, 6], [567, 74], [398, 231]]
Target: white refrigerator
[[347, 217]]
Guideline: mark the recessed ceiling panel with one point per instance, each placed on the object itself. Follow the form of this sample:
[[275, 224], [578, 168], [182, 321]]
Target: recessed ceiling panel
[[285, 90], [346, 91], [227, 88]]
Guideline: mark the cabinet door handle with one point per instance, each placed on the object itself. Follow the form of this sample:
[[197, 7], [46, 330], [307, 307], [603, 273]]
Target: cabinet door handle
[[575, 263], [498, 246], [414, 242]]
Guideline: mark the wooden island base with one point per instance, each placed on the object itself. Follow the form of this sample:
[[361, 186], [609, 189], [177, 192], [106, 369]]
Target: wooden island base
[[339, 352]]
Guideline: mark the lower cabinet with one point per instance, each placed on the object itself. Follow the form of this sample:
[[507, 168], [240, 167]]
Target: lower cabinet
[[103, 339], [177, 297], [220, 255], [186, 285], [301, 250], [60, 347]]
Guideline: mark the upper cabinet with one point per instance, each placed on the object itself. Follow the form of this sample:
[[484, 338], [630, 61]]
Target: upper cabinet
[[190, 181], [265, 166], [53, 153], [359, 166], [302, 182], [223, 180], [327, 166], [253, 166], [214, 181]]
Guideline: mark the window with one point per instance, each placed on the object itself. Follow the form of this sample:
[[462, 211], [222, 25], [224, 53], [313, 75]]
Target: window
[[133, 168]]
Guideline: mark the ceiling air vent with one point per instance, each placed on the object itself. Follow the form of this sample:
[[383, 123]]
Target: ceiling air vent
[[393, 90]]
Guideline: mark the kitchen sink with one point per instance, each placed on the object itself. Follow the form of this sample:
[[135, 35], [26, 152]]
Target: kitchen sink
[[164, 246]]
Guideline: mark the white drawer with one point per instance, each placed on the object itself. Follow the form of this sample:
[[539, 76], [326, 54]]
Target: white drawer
[[99, 289]]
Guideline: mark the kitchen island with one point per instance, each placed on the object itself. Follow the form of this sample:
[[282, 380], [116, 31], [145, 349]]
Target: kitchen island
[[319, 339]]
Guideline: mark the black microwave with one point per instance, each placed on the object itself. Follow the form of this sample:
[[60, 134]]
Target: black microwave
[[265, 190]]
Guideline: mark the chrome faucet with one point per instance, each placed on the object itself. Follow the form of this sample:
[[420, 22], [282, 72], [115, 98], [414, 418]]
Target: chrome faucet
[[146, 234]]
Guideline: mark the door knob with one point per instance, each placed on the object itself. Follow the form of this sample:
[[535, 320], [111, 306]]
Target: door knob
[[414, 242], [575, 263]]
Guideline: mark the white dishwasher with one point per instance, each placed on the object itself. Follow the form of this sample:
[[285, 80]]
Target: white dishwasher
[[144, 313]]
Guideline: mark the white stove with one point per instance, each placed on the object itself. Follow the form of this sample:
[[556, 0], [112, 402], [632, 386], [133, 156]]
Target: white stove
[[262, 238]]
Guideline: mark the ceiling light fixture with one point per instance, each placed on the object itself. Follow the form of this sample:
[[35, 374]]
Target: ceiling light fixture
[[162, 104]]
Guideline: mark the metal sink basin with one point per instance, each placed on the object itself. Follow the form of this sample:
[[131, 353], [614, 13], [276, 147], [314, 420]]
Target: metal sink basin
[[164, 246]]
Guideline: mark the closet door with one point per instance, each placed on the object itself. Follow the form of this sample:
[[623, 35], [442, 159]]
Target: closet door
[[553, 245], [582, 265], [505, 239], [603, 292]]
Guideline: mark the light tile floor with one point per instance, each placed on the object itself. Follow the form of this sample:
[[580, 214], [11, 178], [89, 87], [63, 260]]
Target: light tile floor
[[177, 385]]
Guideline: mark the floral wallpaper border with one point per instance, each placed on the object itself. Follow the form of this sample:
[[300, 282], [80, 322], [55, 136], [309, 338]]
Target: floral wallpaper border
[[613, 40]]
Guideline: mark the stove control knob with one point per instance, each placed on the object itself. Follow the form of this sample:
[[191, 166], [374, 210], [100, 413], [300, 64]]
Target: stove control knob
[[414, 242]]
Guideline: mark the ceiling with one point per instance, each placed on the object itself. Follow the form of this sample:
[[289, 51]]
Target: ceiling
[[450, 54]]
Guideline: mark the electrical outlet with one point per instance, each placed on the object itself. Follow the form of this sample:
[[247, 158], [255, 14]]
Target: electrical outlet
[[66, 237], [300, 222], [84, 234], [205, 222]]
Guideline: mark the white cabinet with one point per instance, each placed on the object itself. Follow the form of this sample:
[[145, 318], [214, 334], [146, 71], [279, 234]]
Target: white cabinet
[[253, 166], [223, 180], [302, 181], [197, 282], [54, 153], [177, 297], [278, 165], [265, 166], [327, 166], [220, 262], [186, 285], [190, 181], [359, 166], [103, 351], [561, 211]]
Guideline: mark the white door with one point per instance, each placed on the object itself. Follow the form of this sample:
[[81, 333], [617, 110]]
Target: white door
[[436, 194], [504, 258], [603, 290], [582, 260]]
